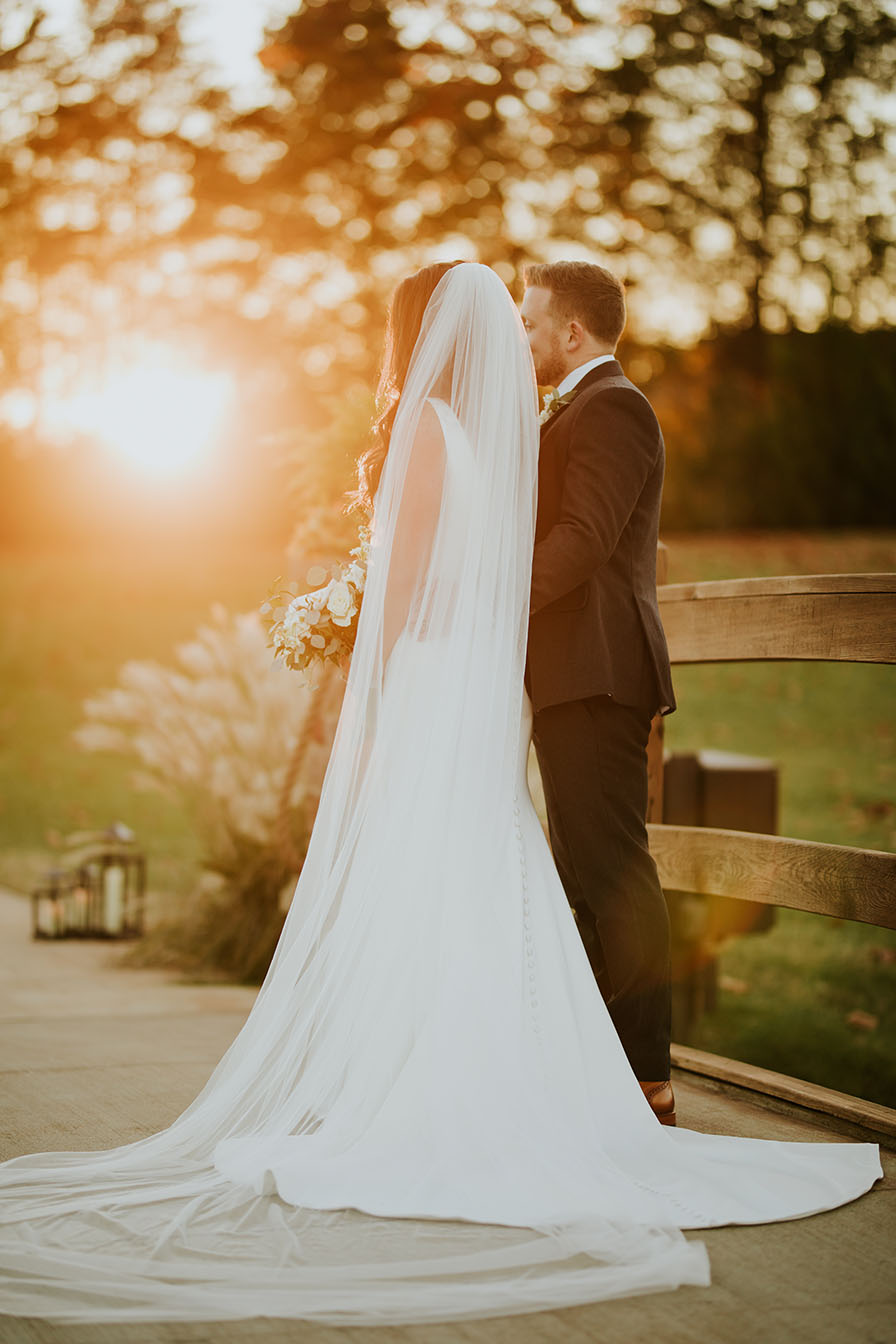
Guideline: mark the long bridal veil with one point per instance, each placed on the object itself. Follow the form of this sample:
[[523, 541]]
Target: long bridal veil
[[426, 1115]]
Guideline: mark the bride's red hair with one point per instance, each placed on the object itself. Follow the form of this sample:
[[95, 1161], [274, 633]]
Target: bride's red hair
[[402, 329]]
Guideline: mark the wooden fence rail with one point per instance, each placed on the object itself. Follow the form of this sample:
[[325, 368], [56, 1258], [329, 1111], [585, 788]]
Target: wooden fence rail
[[832, 880], [829, 617]]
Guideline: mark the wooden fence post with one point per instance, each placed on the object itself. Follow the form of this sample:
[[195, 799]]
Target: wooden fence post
[[655, 741]]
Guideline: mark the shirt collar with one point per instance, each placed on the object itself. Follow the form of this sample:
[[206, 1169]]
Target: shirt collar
[[573, 379]]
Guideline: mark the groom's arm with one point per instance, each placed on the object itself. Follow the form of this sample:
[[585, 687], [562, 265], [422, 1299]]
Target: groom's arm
[[615, 443]]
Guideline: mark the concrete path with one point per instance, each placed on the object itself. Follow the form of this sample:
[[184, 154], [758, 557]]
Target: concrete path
[[92, 1055]]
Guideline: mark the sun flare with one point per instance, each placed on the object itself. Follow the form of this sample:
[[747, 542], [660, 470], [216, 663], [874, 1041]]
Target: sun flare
[[160, 417]]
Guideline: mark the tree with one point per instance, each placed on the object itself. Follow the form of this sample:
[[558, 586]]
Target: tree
[[746, 146]]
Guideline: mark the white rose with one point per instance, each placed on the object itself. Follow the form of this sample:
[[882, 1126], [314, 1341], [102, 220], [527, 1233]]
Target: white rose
[[355, 575], [340, 601], [295, 621]]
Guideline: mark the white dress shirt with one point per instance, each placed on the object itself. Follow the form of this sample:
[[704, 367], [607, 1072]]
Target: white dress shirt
[[573, 379]]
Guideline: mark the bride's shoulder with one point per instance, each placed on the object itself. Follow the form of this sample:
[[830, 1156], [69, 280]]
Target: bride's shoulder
[[429, 426], [438, 412], [442, 414], [429, 452], [457, 449], [429, 436], [439, 424]]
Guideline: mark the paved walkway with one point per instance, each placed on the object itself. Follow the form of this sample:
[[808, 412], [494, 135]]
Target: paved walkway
[[92, 1056]]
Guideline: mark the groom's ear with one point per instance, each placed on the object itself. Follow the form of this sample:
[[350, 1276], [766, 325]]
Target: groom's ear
[[575, 335]]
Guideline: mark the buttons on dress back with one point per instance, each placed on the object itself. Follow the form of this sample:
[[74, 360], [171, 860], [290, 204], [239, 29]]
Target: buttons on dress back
[[528, 944]]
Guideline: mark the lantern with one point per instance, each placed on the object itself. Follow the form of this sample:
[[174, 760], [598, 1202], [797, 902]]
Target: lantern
[[56, 904], [117, 883], [102, 892]]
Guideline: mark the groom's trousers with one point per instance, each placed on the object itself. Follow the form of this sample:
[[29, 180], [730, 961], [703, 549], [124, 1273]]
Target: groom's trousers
[[593, 762]]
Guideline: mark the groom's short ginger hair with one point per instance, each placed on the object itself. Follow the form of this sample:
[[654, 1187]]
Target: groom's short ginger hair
[[585, 291]]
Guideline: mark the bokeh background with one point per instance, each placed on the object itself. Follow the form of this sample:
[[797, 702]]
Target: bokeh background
[[204, 209]]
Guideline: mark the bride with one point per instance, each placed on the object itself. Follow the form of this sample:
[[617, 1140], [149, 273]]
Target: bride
[[427, 1114]]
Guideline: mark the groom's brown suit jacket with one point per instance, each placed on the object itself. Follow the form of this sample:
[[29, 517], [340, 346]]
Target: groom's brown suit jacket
[[594, 626]]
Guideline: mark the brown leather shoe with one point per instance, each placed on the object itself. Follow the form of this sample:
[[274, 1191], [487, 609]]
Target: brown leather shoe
[[662, 1101]]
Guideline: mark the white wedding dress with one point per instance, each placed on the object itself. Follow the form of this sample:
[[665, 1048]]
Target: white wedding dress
[[428, 1114]]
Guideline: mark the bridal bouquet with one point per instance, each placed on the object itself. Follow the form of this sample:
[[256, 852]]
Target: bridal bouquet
[[320, 626]]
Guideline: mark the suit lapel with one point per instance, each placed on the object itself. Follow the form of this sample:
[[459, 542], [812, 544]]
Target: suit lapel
[[612, 369]]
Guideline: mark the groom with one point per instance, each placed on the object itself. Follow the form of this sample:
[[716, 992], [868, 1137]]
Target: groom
[[597, 665]]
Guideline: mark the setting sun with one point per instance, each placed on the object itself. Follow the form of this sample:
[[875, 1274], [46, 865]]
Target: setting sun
[[160, 417]]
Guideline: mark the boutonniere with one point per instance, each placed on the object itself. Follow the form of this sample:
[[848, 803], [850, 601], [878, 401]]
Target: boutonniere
[[548, 398], [551, 401]]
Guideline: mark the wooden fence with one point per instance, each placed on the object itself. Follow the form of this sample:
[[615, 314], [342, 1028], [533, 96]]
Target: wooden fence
[[830, 617]]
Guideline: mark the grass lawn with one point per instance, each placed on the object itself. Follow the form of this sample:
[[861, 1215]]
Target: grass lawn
[[70, 620]]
